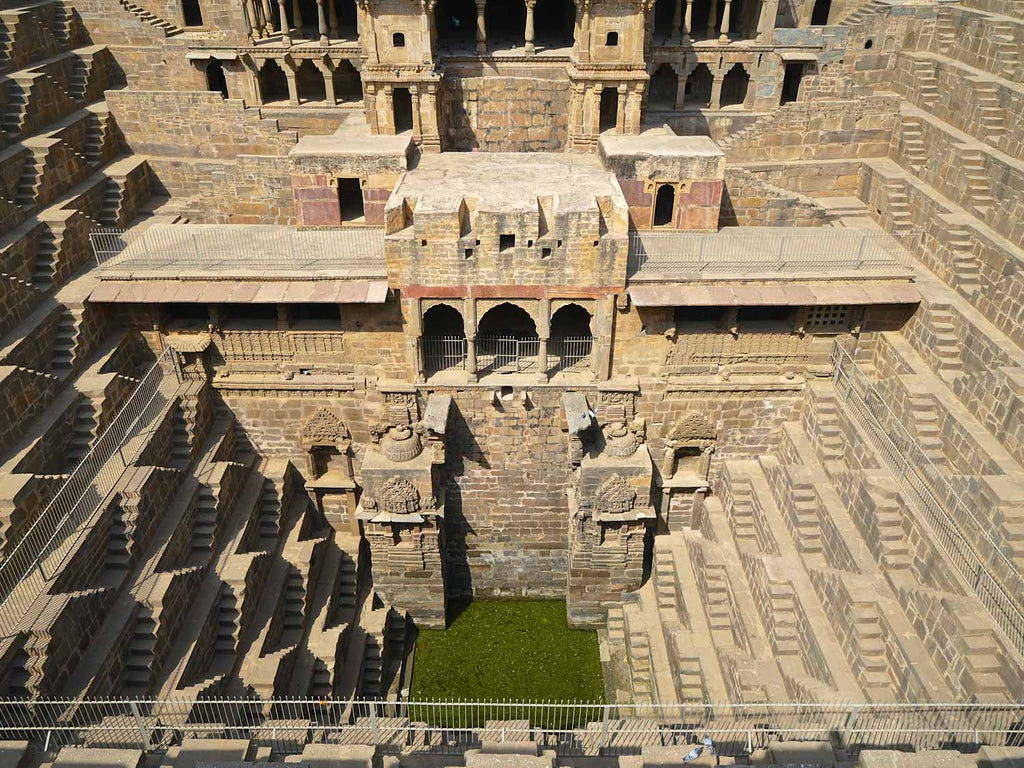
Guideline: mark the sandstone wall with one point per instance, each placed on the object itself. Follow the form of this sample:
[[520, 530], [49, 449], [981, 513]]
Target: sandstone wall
[[505, 114]]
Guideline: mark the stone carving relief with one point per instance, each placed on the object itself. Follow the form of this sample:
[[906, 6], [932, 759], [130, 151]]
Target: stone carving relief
[[622, 439], [324, 428], [692, 426], [615, 497], [398, 443], [616, 405], [396, 496]]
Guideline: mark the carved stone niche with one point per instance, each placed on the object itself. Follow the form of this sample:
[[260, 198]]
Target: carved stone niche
[[616, 402], [689, 444], [579, 420], [328, 447], [191, 350]]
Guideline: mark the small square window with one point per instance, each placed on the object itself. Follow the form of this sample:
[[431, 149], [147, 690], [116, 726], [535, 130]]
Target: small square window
[[505, 242], [423, 243], [398, 40], [529, 243], [559, 243], [469, 253], [612, 39], [545, 253]]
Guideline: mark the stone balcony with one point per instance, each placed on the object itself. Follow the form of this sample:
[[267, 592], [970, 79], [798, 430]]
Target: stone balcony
[[768, 266], [240, 264]]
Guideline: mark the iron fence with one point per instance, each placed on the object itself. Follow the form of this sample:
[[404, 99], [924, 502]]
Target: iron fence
[[507, 354], [256, 247], [982, 562], [572, 353], [444, 353], [568, 728], [39, 555], [763, 250]]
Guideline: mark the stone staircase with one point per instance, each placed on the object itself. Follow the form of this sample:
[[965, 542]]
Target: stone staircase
[[913, 144], [945, 29], [1004, 38], [65, 340], [966, 269], [13, 118], [228, 618], [946, 343], [204, 527], [168, 29], [83, 432], [898, 206], [113, 194], [926, 82], [138, 666], [927, 432], [979, 194], [993, 126], [864, 12]]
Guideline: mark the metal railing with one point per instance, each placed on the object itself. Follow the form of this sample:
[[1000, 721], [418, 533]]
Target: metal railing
[[41, 552], [980, 560], [249, 247], [569, 728], [444, 353], [759, 250], [572, 353], [506, 354]]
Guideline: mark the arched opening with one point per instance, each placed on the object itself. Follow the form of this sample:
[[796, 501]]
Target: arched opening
[[698, 87], [455, 22], [664, 83], [734, 86], [791, 81], [554, 23], [506, 24], [345, 23], [665, 206], [273, 83], [572, 339], [664, 12], [507, 341], [398, 40], [444, 339], [192, 13], [215, 80], [609, 109], [403, 109], [309, 82], [819, 14], [348, 85]]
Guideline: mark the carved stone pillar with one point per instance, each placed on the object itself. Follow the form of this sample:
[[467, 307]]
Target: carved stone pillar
[[286, 33], [417, 127], [620, 111], [431, 141], [677, 19], [481, 27], [712, 14], [321, 18], [370, 97], [389, 110], [332, 7], [766, 21], [327, 70], [634, 106], [592, 114], [716, 92], [268, 18], [297, 16], [530, 5], [688, 20], [293, 87], [542, 358], [724, 36], [681, 79], [471, 355]]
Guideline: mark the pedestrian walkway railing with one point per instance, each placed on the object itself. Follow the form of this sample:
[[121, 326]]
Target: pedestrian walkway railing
[[983, 562], [763, 250], [568, 728], [41, 552], [226, 248]]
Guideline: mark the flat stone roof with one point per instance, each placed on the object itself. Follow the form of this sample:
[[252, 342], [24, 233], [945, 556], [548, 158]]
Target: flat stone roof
[[510, 181], [662, 143]]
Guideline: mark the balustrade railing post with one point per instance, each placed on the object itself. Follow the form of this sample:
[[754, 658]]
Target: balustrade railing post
[[604, 726], [374, 727], [147, 744]]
